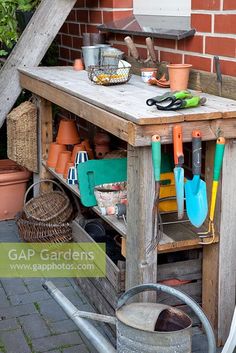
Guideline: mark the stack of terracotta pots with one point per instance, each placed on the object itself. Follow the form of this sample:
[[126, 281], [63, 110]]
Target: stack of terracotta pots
[[61, 155]]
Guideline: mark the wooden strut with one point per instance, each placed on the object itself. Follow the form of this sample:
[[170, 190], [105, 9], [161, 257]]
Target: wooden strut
[[31, 48]]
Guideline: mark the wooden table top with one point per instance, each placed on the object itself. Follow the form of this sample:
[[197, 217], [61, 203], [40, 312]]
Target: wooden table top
[[128, 101]]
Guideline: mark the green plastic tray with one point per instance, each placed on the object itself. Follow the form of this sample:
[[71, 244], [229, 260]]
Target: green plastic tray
[[96, 172]]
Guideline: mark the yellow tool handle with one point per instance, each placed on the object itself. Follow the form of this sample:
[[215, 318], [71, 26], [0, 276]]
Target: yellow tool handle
[[213, 199]]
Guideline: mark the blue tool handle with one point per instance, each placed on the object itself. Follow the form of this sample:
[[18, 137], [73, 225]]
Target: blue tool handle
[[196, 152], [156, 156]]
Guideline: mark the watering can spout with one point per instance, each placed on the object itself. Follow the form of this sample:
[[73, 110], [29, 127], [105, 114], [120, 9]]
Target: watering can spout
[[100, 343]]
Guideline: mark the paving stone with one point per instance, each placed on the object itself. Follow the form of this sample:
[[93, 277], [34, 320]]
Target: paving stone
[[7, 325], [17, 311], [72, 295], [4, 302], [57, 341], [29, 297], [34, 326], [9, 232], [14, 286], [14, 342], [76, 349], [54, 352], [33, 284], [60, 282], [51, 311], [63, 326]]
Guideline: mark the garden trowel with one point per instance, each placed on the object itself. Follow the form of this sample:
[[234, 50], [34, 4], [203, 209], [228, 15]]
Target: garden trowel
[[178, 170], [195, 189]]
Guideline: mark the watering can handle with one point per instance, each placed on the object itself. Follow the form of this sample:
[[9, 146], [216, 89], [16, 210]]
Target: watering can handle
[[180, 295]]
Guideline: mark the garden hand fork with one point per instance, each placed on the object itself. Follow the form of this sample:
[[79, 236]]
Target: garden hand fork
[[219, 154]]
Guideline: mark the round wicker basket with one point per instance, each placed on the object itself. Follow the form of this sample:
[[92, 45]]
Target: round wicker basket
[[52, 207]]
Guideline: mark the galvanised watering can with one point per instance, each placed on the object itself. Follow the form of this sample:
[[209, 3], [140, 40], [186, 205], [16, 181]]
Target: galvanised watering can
[[140, 327]]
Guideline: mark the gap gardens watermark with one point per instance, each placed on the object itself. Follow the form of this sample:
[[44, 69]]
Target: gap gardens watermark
[[52, 260]]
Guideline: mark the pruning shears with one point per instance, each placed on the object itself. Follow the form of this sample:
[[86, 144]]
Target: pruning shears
[[176, 100]]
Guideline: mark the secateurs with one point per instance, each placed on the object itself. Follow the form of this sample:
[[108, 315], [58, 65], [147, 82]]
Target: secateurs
[[176, 100]]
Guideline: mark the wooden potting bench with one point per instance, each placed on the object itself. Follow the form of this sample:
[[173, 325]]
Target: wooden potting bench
[[121, 110]]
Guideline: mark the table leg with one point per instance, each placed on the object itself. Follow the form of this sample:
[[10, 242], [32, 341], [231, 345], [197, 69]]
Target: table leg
[[140, 266], [46, 137], [227, 245]]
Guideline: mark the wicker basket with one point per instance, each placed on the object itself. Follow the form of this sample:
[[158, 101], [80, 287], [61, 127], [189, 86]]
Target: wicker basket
[[39, 232], [52, 207], [108, 75], [22, 136]]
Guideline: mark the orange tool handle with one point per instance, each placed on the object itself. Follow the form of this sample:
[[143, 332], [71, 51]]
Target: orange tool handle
[[196, 133], [178, 145]]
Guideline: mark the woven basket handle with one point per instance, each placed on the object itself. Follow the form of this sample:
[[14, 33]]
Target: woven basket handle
[[39, 182]]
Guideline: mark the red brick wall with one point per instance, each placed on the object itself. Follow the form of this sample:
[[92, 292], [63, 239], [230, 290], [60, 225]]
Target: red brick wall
[[214, 21]]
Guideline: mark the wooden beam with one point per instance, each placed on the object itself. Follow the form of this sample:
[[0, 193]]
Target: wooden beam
[[45, 113], [227, 251], [141, 267], [31, 48]]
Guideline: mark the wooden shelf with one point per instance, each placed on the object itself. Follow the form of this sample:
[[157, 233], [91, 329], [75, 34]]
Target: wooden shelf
[[117, 224], [175, 236]]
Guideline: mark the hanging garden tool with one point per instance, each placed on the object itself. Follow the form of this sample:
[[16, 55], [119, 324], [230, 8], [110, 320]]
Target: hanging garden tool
[[176, 100], [195, 189], [156, 161], [151, 50], [219, 154], [178, 170]]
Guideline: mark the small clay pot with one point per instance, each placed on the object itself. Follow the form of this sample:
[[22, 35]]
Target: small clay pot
[[63, 158], [102, 138], [68, 133], [68, 165], [179, 76], [86, 144], [76, 149], [101, 151], [147, 73], [54, 150], [78, 65]]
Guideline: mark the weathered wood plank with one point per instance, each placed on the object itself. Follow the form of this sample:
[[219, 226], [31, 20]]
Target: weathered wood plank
[[128, 101], [119, 127], [141, 267], [31, 48], [227, 258], [112, 271], [210, 129]]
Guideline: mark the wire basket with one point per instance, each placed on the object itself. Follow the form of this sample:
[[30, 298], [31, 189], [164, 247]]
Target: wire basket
[[39, 232], [109, 75], [52, 207]]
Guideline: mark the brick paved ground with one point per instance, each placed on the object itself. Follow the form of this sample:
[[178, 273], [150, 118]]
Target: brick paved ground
[[30, 320]]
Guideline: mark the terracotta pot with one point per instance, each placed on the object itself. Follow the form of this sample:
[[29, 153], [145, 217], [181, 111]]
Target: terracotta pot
[[67, 133], [102, 138], [68, 165], [76, 149], [63, 158], [54, 150], [13, 182], [86, 144], [78, 65], [179, 75], [101, 150]]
